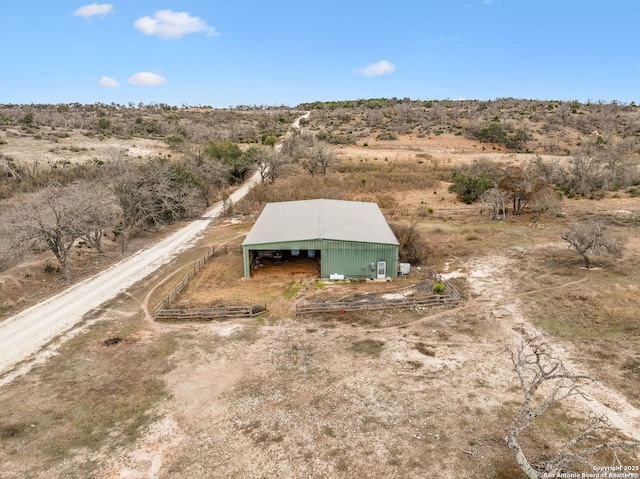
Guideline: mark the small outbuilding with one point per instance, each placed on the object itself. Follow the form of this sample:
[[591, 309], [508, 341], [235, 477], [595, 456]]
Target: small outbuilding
[[349, 239]]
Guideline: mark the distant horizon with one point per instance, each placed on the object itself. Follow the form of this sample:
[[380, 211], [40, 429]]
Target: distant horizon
[[287, 53], [276, 106]]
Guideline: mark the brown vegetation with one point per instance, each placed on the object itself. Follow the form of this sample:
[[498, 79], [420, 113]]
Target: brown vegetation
[[389, 394]]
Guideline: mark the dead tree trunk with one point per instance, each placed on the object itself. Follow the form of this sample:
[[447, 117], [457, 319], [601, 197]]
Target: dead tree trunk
[[544, 382]]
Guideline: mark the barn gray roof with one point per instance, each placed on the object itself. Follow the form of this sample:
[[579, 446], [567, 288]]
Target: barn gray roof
[[321, 219]]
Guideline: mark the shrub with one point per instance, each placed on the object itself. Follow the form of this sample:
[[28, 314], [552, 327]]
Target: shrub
[[49, 268], [634, 192], [269, 140], [387, 135], [438, 288], [468, 187], [368, 346], [424, 211], [413, 248]]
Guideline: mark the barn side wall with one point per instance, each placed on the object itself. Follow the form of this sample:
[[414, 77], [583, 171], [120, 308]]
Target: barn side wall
[[354, 259], [350, 258]]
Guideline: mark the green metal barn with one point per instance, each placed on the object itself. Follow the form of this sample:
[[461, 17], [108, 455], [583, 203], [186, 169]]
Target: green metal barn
[[348, 238]]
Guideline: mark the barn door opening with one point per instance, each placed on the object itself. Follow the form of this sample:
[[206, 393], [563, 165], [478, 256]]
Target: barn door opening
[[382, 269]]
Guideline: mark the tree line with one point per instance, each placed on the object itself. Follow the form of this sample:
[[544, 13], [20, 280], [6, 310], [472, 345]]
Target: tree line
[[593, 170], [511, 123], [117, 195]]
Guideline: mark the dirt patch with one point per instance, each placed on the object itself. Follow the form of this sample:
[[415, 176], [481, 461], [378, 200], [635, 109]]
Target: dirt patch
[[445, 149], [56, 148], [304, 269]]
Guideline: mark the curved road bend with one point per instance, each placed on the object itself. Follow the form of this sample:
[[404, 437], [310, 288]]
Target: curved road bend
[[27, 332]]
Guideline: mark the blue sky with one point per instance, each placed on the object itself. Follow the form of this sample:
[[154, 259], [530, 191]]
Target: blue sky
[[225, 53]]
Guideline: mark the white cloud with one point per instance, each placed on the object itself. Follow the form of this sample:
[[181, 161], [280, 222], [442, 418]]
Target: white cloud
[[382, 67], [146, 79], [94, 9], [107, 82], [488, 3], [170, 24]]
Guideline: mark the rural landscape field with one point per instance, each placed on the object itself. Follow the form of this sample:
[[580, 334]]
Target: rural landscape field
[[530, 209]]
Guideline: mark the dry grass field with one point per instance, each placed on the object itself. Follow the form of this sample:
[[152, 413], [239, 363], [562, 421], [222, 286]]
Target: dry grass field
[[413, 394]]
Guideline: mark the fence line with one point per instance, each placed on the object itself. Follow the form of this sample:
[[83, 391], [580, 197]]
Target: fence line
[[209, 313], [452, 298], [163, 311], [177, 289], [449, 288]]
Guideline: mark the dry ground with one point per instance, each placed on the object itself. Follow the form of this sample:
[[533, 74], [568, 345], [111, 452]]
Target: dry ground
[[435, 150], [55, 147], [398, 395]]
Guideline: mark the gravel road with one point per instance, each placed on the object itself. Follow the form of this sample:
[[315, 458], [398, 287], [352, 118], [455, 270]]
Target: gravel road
[[26, 333]]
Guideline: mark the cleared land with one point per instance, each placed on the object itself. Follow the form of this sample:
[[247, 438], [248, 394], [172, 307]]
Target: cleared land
[[394, 394]]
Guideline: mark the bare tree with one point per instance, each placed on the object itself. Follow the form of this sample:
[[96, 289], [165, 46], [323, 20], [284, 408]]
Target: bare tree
[[266, 157], [98, 216], [546, 200], [413, 248], [53, 219], [274, 164], [496, 199], [590, 239], [295, 144], [154, 192], [587, 175], [6, 165], [620, 164], [321, 156], [11, 251], [545, 382], [210, 175]]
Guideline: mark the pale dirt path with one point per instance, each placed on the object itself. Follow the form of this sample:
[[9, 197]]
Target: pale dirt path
[[486, 279], [24, 334]]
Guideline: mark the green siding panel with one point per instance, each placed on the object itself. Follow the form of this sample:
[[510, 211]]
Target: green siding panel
[[354, 259]]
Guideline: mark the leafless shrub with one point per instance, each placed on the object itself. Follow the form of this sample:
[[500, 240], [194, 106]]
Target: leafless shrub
[[413, 248], [590, 239], [496, 199]]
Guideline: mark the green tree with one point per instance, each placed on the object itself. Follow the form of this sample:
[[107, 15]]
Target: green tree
[[469, 186], [493, 133], [236, 162]]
